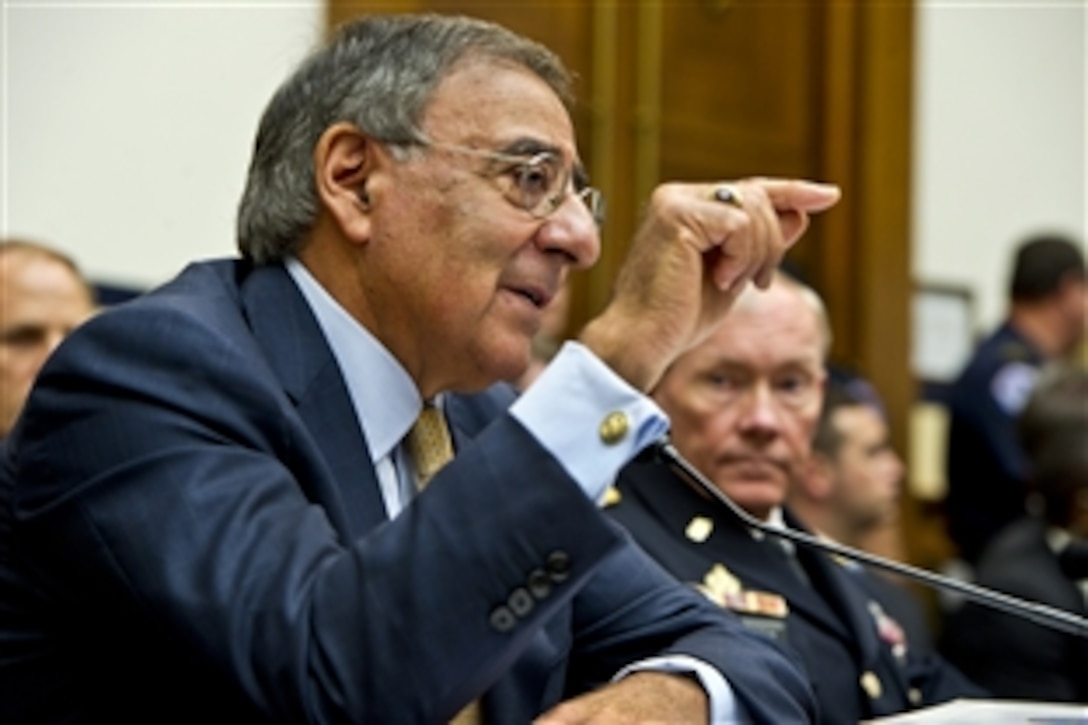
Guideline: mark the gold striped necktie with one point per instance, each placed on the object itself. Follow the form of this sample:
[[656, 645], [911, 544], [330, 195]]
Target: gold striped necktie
[[430, 446]]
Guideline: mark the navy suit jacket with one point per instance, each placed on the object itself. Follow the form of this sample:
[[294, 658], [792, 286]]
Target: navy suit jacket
[[848, 648], [191, 527]]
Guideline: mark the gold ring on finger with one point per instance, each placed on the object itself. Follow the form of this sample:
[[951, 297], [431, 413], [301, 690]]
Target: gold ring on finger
[[726, 194]]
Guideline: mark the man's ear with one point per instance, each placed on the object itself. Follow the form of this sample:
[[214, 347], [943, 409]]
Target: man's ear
[[344, 158], [819, 474]]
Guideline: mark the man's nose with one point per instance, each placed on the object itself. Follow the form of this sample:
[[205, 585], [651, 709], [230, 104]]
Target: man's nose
[[572, 231], [760, 414], [898, 467]]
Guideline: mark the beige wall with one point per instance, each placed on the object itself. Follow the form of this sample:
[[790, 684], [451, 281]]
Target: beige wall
[[127, 127], [1000, 137]]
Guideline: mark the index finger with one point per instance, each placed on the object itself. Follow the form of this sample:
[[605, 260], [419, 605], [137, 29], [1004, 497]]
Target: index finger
[[800, 195]]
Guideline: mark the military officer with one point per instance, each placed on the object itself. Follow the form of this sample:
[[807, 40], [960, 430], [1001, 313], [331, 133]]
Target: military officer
[[743, 406]]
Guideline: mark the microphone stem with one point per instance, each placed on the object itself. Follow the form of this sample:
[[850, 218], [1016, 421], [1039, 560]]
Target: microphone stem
[[1038, 613]]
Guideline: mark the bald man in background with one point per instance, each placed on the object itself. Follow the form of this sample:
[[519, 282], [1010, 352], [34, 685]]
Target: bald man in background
[[43, 296]]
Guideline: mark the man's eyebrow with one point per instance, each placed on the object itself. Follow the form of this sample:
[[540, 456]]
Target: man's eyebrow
[[528, 146]]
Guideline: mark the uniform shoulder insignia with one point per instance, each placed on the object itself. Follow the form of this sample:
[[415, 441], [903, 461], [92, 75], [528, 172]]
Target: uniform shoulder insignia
[[1012, 385], [699, 529]]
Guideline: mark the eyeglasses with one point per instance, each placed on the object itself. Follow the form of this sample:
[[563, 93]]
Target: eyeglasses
[[538, 183]]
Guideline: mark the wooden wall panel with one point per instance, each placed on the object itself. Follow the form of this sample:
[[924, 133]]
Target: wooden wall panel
[[735, 91]]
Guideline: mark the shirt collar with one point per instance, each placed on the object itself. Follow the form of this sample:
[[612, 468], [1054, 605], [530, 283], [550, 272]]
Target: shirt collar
[[385, 398], [776, 520]]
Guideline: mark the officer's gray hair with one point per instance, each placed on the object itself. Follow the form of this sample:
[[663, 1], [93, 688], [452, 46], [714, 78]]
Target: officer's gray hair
[[378, 73], [808, 295]]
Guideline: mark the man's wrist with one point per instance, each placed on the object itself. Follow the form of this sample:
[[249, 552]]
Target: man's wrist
[[622, 348]]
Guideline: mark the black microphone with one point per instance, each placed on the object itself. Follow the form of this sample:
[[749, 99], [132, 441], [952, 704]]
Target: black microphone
[[1038, 613]]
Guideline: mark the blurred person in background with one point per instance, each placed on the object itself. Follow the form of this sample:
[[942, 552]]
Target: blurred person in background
[[43, 297], [851, 488], [986, 469], [854, 477], [1042, 558]]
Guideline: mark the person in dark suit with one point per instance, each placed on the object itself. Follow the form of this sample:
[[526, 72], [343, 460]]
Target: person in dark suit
[[744, 405], [1042, 558], [986, 469], [210, 509]]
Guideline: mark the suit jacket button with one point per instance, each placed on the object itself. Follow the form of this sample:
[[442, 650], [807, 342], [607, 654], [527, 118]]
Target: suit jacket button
[[502, 619], [540, 584], [871, 684], [520, 602], [558, 566]]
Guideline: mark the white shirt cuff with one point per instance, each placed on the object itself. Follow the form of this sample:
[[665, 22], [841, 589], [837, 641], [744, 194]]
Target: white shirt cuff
[[723, 704]]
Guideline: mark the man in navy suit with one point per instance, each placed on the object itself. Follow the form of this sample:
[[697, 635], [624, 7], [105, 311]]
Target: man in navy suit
[[207, 507], [744, 405]]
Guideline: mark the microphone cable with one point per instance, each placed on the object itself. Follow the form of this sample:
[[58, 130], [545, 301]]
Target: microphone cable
[[1037, 613]]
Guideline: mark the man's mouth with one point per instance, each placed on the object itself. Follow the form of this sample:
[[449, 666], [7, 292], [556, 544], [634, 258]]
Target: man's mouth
[[537, 296], [755, 467]]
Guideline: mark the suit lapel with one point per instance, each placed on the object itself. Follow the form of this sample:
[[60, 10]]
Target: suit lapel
[[848, 598], [759, 568], [300, 357]]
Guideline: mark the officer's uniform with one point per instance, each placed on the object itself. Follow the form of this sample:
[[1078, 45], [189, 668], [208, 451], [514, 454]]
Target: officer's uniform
[[858, 658], [986, 469]]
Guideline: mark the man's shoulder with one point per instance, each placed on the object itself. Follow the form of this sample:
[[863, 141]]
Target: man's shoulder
[[1003, 367], [646, 490], [473, 411], [1003, 346], [685, 531], [1019, 550]]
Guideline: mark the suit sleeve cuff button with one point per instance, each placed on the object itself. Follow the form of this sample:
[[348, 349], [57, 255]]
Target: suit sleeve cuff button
[[558, 566], [502, 619]]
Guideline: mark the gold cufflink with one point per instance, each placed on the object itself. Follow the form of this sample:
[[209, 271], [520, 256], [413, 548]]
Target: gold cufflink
[[614, 427]]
